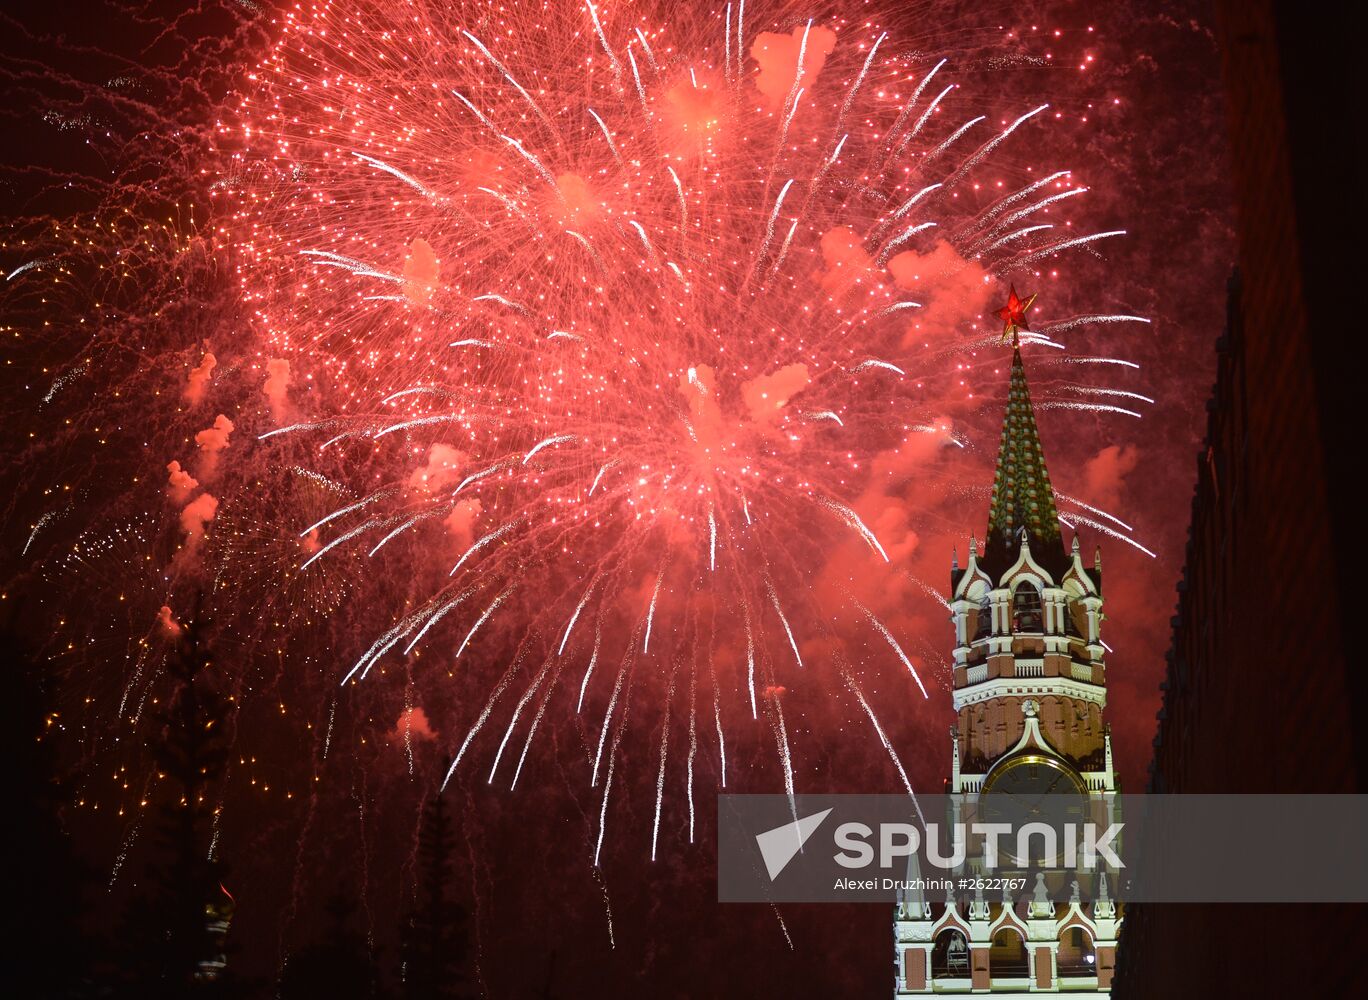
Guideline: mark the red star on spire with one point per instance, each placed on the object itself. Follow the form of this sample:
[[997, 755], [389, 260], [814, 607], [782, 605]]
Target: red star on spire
[[1013, 314]]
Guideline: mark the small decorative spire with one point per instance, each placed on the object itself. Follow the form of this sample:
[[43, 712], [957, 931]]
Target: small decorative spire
[[954, 557], [1103, 908], [1097, 559], [1074, 547], [978, 909]]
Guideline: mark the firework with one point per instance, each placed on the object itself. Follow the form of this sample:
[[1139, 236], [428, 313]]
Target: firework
[[565, 340]]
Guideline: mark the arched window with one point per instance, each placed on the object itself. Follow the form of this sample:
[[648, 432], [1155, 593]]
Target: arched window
[[1007, 956], [950, 956], [1077, 957], [985, 618], [1026, 612]]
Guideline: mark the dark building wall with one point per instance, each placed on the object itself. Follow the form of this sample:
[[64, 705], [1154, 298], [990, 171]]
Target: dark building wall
[[1260, 693]]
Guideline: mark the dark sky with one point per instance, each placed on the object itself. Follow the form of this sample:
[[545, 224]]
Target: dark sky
[[1142, 125]]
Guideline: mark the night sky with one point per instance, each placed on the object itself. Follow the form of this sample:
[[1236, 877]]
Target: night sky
[[109, 123]]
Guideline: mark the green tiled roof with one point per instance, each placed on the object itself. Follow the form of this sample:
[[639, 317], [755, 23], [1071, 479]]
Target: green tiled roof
[[1022, 496]]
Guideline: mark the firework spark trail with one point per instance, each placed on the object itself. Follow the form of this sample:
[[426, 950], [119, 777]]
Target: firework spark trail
[[589, 670], [994, 211], [513, 722], [693, 746], [1098, 361], [875, 363], [750, 663], [717, 721], [925, 116], [1094, 510], [785, 754], [906, 111], [607, 905], [888, 636], [883, 738], [603, 40], [608, 782], [991, 145], [902, 238], [783, 620], [1091, 390], [38, 526], [607, 722], [1063, 326], [394, 171], [404, 526], [907, 206], [1111, 532], [660, 775], [1017, 234], [588, 592], [25, 268], [855, 89], [373, 498], [712, 532], [488, 539], [782, 926], [950, 140], [852, 519], [1063, 404], [475, 477], [603, 812], [489, 611], [437, 616], [650, 612], [499, 689], [532, 103], [769, 226], [1035, 255]]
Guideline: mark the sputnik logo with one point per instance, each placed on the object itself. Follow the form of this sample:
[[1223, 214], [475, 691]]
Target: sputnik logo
[[778, 846]]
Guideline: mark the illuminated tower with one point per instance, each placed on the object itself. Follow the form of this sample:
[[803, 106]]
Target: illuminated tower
[[1029, 695]]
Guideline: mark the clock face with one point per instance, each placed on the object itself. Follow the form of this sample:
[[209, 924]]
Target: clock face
[[1033, 788]]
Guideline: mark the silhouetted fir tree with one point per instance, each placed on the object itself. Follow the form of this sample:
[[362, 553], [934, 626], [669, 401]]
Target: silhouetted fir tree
[[434, 943], [171, 932], [44, 881], [339, 966]]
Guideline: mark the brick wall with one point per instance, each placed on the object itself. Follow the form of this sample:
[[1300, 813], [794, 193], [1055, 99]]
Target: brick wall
[[1260, 695]]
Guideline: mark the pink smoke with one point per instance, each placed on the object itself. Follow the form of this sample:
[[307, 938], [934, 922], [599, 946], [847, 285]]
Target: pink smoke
[[196, 516], [460, 523], [211, 441], [953, 291], [412, 724], [1105, 474], [421, 271], [766, 395], [180, 483], [778, 58], [442, 469], [199, 378], [169, 624]]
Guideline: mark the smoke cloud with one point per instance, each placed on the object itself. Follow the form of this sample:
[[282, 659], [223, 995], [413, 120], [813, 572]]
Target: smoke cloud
[[199, 378]]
